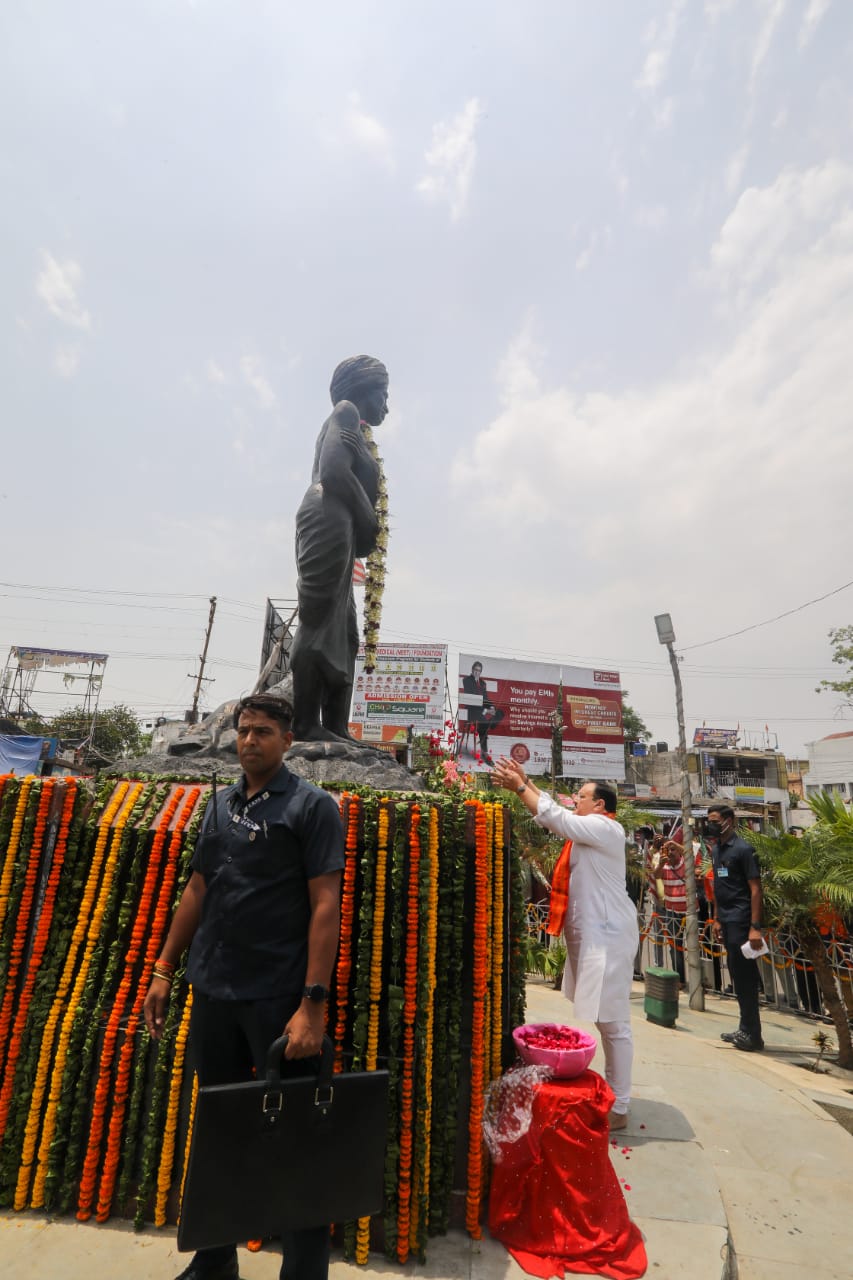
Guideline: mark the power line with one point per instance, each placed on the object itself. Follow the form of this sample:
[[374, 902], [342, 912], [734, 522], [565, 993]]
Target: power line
[[767, 621]]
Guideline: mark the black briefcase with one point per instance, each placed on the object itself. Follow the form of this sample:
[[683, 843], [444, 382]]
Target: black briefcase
[[272, 1155]]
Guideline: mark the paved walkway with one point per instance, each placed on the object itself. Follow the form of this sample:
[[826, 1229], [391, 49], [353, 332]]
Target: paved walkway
[[722, 1147]]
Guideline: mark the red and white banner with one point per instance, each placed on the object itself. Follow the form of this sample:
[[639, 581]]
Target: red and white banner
[[506, 708]]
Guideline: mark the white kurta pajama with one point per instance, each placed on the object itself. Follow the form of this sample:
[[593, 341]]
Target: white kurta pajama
[[601, 934]]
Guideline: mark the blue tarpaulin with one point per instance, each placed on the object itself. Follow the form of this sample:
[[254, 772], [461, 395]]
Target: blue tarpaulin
[[21, 754]]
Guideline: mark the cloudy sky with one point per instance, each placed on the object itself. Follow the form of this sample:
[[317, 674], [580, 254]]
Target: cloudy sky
[[605, 249]]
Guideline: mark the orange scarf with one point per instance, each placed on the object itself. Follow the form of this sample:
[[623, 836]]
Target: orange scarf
[[560, 888], [560, 892]]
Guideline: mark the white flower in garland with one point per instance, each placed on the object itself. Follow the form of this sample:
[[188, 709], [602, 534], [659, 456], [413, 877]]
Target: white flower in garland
[[375, 568]]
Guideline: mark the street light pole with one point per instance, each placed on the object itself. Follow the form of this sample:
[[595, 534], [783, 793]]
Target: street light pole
[[696, 992]]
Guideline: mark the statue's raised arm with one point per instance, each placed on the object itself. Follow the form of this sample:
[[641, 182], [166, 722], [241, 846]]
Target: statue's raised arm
[[336, 522]]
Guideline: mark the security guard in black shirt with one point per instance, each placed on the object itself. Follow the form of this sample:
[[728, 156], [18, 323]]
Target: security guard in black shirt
[[261, 915], [740, 905]]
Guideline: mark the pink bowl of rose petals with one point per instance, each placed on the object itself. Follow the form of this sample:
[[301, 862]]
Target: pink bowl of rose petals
[[565, 1050]]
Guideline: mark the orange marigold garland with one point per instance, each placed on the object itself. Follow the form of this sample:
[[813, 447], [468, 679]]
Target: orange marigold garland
[[31, 1131], [93, 933], [350, 812], [498, 939], [22, 917], [156, 936], [104, 1091], [362, 1239], [42, 933], [167, 1154], [417, 1233], [12, 848], [473, 1199], [487, 1000], [410, 992]]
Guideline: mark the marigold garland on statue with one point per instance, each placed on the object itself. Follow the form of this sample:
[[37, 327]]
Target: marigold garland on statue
[[375, 580]]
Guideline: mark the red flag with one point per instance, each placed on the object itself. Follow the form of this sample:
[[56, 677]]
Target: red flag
[[358, 574]]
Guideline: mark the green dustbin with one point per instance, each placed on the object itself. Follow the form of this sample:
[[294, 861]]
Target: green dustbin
[[661, 999]]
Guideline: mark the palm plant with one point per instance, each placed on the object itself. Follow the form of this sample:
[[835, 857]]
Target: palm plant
[[803, 879]]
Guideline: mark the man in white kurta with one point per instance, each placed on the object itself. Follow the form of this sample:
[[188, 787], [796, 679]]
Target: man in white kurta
[[601, 920]]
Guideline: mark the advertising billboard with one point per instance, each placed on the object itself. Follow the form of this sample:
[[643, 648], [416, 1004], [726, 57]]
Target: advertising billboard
[[406, 688], [726, 738], [506, 708]]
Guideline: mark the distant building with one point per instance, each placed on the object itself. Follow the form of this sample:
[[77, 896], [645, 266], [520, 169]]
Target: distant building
[[797, 768], [754, 782], [831, 766]]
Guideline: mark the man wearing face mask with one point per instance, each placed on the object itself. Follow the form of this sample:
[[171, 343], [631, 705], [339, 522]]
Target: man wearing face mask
[[740, 905]]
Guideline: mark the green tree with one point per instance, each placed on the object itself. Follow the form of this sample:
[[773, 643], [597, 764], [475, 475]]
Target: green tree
[[803, 879], [632, 724], [117, 731], [841, 639]]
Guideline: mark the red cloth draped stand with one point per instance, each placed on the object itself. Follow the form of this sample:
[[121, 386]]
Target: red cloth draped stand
[[555, 1201]]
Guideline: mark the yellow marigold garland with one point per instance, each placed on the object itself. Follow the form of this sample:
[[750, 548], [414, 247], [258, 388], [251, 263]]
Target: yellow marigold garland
[[92, 935], [362, 1239], [473, 1198], [31, 1130], [12, 850], [167, 1154], [420, 1218], [498, 939], [188, 1144]]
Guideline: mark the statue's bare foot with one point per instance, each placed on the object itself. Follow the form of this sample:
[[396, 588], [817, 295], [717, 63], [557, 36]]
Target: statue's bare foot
[[317, 733]]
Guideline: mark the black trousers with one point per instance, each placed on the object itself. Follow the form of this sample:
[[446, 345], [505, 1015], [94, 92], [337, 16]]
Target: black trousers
[[745, 977], [227, 1039]]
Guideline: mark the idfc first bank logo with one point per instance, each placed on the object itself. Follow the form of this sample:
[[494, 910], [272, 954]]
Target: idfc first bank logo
[[605, 677]]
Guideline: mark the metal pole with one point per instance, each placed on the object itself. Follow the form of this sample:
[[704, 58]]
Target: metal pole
[[696, 992], [202, 660]]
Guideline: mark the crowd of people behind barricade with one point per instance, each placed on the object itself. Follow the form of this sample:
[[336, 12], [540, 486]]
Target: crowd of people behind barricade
[[660, 893]]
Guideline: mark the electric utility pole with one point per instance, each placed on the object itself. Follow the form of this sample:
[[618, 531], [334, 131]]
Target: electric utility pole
[[696, 992], [193, 716]]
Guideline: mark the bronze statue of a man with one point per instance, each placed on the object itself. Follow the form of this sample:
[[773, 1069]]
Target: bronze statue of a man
[[336, 522]]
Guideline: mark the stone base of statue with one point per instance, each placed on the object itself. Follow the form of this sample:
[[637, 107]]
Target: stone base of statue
[[351, 762]]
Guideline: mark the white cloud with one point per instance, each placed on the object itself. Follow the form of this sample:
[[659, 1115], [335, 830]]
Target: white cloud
[[661, 37], [253, 375], [450, 159], [705, 464], [368, 132], [735, 168], [215, 372], [664, 112], [769, 224], [597, 239], [812, 19], [66, 360], [56, 285], [773, 10], [653, 217]]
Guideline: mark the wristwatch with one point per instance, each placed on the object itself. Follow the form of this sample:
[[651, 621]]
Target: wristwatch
[[753, 925], [522, 788], [316, 992]]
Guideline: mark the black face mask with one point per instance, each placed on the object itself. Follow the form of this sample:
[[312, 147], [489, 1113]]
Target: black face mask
[[714, 829]]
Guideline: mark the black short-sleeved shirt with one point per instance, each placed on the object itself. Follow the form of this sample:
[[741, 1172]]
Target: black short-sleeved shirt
[[735, 864], [256, 858]]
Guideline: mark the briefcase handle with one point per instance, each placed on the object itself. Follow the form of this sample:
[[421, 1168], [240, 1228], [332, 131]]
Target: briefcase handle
[[276, 1051]]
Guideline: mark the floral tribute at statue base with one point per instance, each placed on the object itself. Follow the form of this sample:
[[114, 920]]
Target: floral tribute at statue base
[[95, 1117]]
